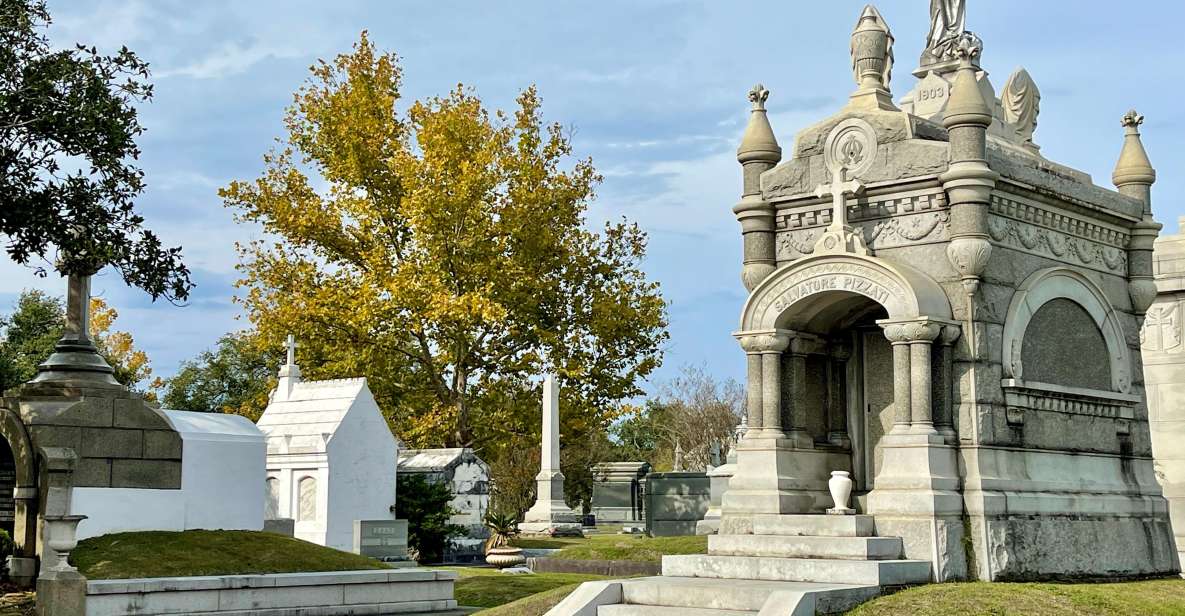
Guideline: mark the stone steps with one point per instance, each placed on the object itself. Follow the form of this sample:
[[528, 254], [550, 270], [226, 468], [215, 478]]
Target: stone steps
[[788, 546], [815, 525], [657, 610], [729, 597], [820, 570]]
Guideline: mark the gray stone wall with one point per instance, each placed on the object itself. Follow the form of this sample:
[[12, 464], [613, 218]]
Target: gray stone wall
[[120, 441]]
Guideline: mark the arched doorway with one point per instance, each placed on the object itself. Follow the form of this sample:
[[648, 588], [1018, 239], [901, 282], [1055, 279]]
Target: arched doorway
[[842, 350]]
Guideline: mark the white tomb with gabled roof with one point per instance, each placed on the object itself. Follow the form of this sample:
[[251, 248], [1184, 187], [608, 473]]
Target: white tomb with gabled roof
[[331, 457]]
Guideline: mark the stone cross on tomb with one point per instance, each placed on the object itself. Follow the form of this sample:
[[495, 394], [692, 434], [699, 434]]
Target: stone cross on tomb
[[290, 345], [75, 356], [78, 299], [839, 237]]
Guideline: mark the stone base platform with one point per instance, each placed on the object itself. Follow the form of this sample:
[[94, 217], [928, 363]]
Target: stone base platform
[[354, 593], [763, 565]]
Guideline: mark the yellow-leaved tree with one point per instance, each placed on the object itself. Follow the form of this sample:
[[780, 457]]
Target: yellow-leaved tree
[[119, 349], [442, 251]]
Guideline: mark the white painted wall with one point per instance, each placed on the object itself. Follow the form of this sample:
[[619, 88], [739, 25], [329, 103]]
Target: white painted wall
[[222, 470], [362, 460]]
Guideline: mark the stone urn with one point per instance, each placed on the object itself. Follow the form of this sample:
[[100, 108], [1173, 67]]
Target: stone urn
[[505, 556], [840, 485], [62, 538]]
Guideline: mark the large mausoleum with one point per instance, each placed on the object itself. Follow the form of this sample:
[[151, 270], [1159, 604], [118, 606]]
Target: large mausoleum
[[952, 318]]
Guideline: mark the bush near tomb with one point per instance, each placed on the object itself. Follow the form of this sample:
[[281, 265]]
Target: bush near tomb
[[425, 506]]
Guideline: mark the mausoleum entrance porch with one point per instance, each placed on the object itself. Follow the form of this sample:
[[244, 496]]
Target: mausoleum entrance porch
[[845, 354]]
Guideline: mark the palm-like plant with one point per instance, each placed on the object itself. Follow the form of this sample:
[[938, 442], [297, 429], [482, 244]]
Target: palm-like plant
[[503, 527]]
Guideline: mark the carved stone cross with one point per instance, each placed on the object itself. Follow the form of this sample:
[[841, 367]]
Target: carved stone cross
[[839, 237], [290, 345], [78, 299], [839, 189]]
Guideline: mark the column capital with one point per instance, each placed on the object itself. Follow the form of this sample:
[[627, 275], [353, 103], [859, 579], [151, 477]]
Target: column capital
[[950, 333], [771, 341], [920, 330]]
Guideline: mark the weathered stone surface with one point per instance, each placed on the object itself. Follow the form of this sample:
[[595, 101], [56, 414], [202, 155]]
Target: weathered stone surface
[[112, 443], [154, 474], [162, 445]]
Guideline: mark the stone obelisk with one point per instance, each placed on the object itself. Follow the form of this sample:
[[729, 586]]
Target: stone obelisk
[[550, 514]]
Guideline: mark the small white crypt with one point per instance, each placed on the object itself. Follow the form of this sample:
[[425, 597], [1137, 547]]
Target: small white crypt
[[331, 457]]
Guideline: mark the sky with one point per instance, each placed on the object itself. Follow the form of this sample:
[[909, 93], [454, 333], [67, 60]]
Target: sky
[[655, 92]]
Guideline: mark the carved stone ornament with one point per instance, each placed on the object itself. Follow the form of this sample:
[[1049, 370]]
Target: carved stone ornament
[[758, 95], [872, 50], [1162, 329], [1021, 102], [851, 145], [970, 256]]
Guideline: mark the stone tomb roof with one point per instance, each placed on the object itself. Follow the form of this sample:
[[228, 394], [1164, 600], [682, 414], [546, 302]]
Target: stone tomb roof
[[914, 148], [436, 460], [305, 420]]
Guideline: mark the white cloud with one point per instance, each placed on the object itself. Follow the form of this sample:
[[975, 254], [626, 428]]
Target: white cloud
[[230, 58]]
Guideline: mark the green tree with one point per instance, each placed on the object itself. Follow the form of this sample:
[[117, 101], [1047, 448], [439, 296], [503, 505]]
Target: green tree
[[235, 377], [28, 336], [426, 506], [68, 178], [448, 252]]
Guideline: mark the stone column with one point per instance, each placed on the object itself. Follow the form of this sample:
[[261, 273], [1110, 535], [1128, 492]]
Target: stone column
[[837, 407], [550, 514], [753, 394], [902, 378], [944, 388], [921, 338], [759, 152], [796, 431], [1134, 177], [765, 480], [915, 495], [772, 346]]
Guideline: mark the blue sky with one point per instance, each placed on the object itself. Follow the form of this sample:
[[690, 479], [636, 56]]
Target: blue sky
[[655, 91]]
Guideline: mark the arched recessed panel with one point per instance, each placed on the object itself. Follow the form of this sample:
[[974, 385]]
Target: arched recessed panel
[[1060, 283], [1044, 347], [306, 507], [271, 510]]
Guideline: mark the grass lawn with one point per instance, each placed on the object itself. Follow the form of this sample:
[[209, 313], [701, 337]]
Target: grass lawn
[[534, 605], [205, 552], [486, 587], [1151, 598], [619, 547]]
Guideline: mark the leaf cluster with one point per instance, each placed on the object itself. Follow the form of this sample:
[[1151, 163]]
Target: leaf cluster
[[68, 172]]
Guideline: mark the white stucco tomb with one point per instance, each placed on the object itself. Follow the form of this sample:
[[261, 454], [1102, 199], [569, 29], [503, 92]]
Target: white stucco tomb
[[220, 477], [330, 457]]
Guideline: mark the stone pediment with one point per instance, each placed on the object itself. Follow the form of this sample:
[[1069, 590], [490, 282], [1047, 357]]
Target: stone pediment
[[890, 126]]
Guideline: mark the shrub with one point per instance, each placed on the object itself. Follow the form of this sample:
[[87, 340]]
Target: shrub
[[425, 506]]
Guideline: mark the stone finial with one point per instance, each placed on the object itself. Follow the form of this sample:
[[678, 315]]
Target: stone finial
[[1021, 102], [872, 61], [872, 50], [1133, 168], [758, 144], [967, 105], [758, 95]]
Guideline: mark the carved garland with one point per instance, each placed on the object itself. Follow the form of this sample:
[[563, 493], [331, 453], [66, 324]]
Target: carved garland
[[1050, 243], [885, 233]]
